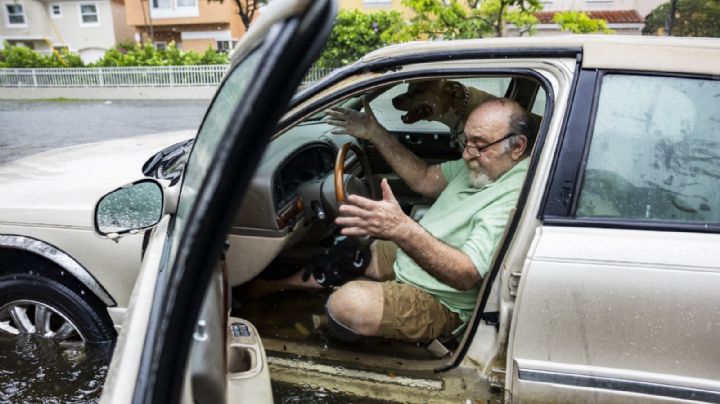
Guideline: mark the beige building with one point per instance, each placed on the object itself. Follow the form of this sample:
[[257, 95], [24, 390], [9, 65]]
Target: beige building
[[191, 24], [86, 27]]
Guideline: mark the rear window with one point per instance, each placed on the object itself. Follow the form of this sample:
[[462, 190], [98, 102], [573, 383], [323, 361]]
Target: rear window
[[655, 150]]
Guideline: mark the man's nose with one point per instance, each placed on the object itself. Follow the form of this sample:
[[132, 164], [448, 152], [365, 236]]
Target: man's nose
[[467, 154]]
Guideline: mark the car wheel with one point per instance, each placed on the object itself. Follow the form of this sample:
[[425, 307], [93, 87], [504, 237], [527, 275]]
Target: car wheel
[[33, 304]]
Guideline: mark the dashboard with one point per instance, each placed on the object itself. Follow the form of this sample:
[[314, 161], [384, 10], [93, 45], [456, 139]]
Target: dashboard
[[310, 163], [271, 203]]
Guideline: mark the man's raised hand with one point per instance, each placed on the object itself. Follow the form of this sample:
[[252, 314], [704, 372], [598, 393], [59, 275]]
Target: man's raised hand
[[361, 125]]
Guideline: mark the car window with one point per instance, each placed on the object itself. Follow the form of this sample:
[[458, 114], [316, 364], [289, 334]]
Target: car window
[[213, 129], [654, 150], [390, 117], [538, 106]]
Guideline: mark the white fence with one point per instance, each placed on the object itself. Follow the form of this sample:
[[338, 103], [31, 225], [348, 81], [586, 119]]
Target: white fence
[[155, 76]]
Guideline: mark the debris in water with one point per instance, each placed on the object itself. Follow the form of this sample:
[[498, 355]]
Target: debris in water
[[302, 330]]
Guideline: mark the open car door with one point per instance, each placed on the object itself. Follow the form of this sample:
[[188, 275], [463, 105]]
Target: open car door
[[177, 344]]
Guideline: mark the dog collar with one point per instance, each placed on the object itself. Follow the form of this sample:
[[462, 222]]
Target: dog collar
[[455, 130]]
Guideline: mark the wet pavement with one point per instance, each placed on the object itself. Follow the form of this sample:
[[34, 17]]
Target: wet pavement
[[29, 127]]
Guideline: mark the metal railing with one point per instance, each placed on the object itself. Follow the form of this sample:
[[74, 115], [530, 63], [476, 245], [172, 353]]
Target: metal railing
[[151, 76]]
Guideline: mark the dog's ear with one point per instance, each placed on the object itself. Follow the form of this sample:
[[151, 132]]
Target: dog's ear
[[454, 88]]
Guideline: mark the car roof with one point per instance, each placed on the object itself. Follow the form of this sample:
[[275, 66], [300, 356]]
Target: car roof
[[641, 53]]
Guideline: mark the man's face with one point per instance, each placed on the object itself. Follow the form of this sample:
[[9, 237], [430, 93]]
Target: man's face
[[488, 124]]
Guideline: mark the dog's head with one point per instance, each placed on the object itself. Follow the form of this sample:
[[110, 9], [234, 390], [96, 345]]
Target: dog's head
[[429, 99]]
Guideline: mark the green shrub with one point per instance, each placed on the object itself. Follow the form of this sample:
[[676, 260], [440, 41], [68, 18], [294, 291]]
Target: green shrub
[[124, 54]]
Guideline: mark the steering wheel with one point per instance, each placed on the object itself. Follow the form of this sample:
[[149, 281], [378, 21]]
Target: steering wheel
[[350, 184], [335, 188]]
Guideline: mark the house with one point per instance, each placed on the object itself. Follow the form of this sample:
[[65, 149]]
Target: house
[[623, 16], [375, 5], [626, 17], [85, 27], [191, 24]]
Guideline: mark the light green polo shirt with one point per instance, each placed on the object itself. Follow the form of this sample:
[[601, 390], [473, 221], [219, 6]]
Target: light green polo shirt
[[467, 218]]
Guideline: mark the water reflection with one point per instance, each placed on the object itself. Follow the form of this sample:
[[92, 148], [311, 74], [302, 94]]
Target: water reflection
[[285, 393], [34, 369]]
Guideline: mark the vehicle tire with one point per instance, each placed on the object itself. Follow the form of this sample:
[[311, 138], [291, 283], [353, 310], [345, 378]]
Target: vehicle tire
[[33, 304]]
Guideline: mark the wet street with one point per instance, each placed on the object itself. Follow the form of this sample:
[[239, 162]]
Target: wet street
[[29, 127], [40, 370]]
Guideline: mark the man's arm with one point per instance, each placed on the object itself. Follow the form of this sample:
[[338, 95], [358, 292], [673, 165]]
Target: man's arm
[[384, 219], [421, 178]]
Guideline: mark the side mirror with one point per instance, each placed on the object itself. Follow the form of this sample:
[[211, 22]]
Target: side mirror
[[129, 209]]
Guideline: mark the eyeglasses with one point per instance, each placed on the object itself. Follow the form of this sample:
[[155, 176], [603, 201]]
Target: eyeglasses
[[462, 141]]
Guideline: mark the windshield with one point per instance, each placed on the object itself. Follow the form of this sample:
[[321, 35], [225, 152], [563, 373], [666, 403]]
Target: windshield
[[208, 139]]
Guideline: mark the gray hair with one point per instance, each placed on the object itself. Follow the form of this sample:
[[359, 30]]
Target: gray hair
[[519, 124]]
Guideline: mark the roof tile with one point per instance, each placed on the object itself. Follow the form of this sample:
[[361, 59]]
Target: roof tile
[[611, 16]]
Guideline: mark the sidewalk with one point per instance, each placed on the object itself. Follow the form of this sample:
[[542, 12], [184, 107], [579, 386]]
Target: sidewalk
[[108, 93]]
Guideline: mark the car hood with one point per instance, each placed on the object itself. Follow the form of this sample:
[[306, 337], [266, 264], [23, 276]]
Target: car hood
[[61, 187]]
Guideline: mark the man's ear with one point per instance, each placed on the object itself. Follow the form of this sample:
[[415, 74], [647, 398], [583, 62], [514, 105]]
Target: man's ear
[[519, 150], [454, 88]]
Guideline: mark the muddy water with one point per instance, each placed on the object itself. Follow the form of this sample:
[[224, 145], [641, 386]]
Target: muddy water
[[285, 393], [36, 369]]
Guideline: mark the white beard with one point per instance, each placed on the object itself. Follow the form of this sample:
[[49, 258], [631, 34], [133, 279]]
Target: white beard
[[478, 179], [477, 176]]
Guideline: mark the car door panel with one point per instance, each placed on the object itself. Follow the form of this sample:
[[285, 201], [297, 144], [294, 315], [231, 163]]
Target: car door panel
[[207, 363], [248, 377], [609, 308]]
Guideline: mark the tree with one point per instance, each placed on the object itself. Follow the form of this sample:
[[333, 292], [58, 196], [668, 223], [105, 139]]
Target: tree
[[579, 22], [247, 10], [356, 33], [456, 19], [692, 18]]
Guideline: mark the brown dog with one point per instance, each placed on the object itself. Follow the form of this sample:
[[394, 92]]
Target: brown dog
[[446, 101]]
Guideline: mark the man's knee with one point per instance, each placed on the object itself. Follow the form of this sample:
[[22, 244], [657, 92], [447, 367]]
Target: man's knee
[[355, 308]]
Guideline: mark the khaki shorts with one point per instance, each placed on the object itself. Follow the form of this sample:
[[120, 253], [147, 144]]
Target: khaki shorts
[[409, 314]]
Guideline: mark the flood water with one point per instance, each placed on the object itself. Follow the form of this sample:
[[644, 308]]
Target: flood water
[[39, 370], [285, 393]]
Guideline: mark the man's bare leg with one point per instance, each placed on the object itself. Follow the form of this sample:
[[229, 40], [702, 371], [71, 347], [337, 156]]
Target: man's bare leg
[[358, 305], [261, 287]]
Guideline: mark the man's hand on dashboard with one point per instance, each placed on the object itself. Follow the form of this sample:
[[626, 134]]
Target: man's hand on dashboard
[[381, 219], [361, 125]]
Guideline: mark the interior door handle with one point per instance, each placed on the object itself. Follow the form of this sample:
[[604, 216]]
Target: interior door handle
[[411, 139]]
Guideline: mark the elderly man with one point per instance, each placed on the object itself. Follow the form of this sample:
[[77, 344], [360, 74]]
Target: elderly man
[[424, 277], [429, 286]]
